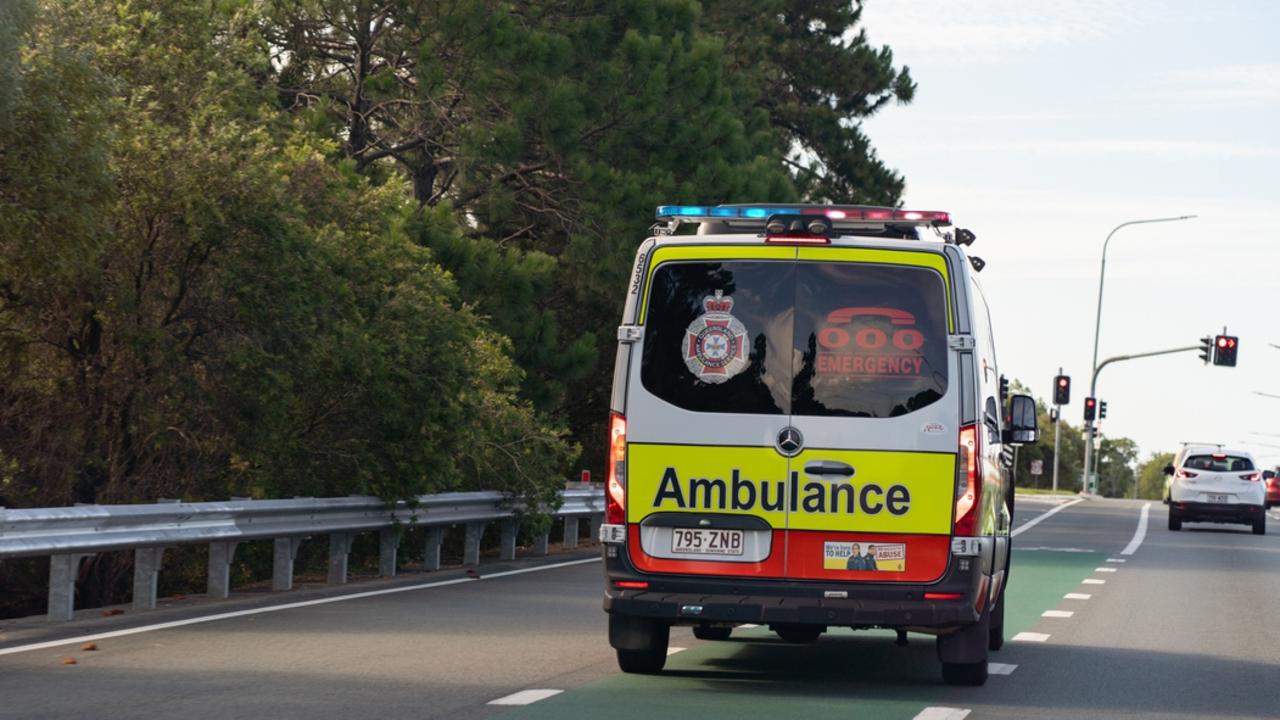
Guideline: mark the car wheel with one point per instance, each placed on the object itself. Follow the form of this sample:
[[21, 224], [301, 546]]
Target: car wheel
[[798, 634], [970, 674], [712, 632], [1260, 525], [1175, 522]]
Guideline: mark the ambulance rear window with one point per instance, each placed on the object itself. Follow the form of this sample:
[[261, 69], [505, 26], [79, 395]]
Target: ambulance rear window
[[808, 338]]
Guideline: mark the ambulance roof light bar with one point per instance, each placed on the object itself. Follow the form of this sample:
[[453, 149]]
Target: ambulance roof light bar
[[839, 213]]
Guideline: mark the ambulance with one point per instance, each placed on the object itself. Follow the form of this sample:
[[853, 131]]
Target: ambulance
[[808, 430]]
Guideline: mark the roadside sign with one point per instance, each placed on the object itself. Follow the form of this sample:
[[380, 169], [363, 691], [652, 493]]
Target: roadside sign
[[1037, 467]]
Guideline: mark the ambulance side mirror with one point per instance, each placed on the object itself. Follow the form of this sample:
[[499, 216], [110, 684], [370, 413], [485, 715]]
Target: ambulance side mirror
[[1022, 421]]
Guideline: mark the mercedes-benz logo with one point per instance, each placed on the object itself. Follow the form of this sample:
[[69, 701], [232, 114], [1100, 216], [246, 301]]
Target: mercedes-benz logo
[[790, 442]]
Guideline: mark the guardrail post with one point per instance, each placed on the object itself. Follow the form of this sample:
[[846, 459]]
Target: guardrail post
[[508, 549], [431, 547], [284, 552], [594, 523], [220, 556], [63, 570], [388, 544], [146, 576], [570, 531], [471, 544], [541, 542], [339, 549]]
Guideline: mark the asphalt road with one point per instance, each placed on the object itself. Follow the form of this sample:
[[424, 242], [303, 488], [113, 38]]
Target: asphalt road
[[1184, 627]]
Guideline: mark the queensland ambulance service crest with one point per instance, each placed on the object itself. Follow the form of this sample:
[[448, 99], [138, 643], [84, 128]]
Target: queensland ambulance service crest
[[715, 344]]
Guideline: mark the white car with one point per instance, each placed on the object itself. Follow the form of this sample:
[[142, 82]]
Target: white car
[[1208, 483]]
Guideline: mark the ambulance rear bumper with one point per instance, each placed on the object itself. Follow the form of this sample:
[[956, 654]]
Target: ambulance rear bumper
[[690, 600]]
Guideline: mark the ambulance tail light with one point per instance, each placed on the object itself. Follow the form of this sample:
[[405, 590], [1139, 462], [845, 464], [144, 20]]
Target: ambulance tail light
[[968, 482], [616, 494]]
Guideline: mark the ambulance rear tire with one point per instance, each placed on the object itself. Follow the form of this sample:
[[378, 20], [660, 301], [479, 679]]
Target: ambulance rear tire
[[712, 632], [995, 639], [968, 674], [798, 634], [640, 643]]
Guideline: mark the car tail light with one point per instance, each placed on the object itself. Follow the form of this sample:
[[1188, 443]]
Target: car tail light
[[1254, 477], [942, 596], [1184, 474], [968, 482], [616, 497]]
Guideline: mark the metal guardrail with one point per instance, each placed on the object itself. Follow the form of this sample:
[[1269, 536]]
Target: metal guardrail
[[69, 534]]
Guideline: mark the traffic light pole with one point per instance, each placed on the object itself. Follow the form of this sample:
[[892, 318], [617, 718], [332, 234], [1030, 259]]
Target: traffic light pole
[[1093, 386], [1057, 418], [1097, 328]]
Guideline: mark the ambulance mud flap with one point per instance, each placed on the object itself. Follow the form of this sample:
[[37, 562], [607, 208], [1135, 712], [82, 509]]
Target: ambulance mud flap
[[968, 644]]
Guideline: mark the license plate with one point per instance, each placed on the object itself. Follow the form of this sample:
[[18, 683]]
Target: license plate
[[706, 542], [1218, 498]]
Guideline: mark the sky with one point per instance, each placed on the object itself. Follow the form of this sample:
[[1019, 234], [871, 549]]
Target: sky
[[1041, 126]]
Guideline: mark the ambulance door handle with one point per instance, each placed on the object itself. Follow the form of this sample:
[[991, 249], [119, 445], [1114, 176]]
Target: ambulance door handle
[[828, 469]]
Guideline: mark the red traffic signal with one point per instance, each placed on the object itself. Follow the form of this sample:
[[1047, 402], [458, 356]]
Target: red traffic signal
[[1062, 390], [1225, 348], [1090, 409]]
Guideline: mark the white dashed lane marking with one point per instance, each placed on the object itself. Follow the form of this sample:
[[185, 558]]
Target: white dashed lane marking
[[525, 697], [1094, 581], [1030, 637], [1057, 613], [1116, 560], [1105, 569], [942, 713], [673, 650], [1000, 669], [1077, 596]]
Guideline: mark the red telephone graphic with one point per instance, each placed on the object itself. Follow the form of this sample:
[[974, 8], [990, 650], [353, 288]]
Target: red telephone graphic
[[846, 315], [832, 337]]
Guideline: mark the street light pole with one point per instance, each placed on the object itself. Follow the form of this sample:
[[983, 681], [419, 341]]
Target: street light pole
[[1097, 329]]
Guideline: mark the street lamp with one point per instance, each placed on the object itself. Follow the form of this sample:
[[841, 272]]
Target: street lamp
[[1097, 328]]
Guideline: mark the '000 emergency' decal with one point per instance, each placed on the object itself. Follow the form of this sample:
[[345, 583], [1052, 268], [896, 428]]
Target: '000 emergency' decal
[[892, 492]]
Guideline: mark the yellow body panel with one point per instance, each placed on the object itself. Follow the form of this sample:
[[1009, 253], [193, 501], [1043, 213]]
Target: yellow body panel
[[891, 492]]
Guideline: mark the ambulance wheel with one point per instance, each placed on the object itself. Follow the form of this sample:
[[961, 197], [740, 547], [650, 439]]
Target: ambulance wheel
[[964, 652], [712, 632], [970, 674], [995, 636], [641, 643], [1175, 522], [799, 634]]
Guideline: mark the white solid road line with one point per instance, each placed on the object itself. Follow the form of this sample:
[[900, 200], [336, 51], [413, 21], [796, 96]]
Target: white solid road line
[[1057, 613], [1093, 581], [673, 650], [1032, 522], [525, 697], [1000, 669], [942, 713], [1030, 637], [1140, 533], [285, 606], [1077, 596]]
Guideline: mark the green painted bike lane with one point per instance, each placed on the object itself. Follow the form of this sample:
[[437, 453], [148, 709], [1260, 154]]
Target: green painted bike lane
[[844, 675]]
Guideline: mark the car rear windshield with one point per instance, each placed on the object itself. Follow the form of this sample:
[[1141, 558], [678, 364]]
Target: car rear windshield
[[806, 338], [1221, 463]]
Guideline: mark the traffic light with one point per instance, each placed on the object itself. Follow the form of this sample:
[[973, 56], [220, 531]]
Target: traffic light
[[1224, 350], [1102, 410], [1062, 390], [1090, 408], [1206, 349], [1004, 390]]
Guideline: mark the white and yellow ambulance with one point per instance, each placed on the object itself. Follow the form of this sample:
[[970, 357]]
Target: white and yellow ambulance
[[808, 430]]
